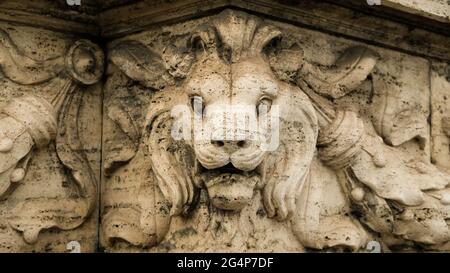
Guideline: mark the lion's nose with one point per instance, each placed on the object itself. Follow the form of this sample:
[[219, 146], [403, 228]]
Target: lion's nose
[[230, 145]]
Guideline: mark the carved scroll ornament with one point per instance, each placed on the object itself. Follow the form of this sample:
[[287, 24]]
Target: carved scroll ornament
[[31, 122], [235, 59]]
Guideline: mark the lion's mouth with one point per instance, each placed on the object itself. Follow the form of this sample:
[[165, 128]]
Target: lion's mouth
[[229, 187], [210, 177]]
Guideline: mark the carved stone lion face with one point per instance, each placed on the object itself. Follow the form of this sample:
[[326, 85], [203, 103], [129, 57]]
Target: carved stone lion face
[[246, 130], [229, 100], [230, 74]]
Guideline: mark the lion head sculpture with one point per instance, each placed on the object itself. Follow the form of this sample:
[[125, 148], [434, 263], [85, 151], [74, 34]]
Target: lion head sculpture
[[231, 91], [233, 114], [225, 83]]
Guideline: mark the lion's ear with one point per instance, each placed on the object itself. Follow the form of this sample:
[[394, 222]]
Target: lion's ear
[[141, 64], [348, 72], [285, 62], [203, 39]]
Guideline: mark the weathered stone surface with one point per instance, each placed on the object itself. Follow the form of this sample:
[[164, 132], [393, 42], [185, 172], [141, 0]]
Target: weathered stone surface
[[50, 129], [370, 134], [196, 126], [436, 9]]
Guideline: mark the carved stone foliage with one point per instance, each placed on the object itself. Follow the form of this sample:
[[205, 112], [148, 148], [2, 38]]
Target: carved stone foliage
[[230, 132], [46, 177], [352, 161]]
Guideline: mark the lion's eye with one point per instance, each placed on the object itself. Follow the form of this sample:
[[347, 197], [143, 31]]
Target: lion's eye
[[197, 105], [264, 106]]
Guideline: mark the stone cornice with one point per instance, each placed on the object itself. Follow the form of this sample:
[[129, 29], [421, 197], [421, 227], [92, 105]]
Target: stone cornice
[[53, 15], [337, 19], [391, 25], [438, 10]]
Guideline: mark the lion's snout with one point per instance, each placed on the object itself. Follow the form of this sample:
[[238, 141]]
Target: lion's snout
[[229, 157], [230, 146], [230, 134]]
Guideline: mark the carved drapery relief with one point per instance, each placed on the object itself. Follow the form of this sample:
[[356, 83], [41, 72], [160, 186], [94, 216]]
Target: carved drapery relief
[[342, 174], [229, 132], [46, 118]]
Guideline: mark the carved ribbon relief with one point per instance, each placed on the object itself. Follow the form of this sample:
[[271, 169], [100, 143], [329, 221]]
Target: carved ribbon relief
[[32, 122]]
